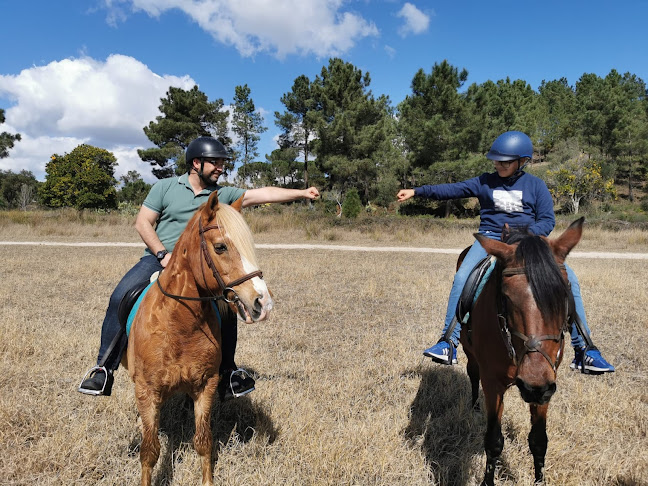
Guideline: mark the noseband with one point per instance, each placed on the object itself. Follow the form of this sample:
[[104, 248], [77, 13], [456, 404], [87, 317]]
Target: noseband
[[532, 344], [227, 292]]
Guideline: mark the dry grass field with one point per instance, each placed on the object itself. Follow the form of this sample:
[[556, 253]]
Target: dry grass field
[[344, 396]]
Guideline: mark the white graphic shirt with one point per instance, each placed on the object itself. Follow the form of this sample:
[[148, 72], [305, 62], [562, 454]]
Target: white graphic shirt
[[508, 201]]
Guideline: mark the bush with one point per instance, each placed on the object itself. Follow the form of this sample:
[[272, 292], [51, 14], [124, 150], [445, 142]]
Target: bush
[[351, 206]]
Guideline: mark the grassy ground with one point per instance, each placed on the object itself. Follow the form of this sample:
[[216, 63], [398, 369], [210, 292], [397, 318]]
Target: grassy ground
[[343, 393]]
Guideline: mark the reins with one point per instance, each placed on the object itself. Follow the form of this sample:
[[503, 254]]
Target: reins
[[532, 343], [225, 289]]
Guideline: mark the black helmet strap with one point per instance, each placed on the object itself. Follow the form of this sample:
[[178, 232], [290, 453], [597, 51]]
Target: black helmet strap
[[201, 173]]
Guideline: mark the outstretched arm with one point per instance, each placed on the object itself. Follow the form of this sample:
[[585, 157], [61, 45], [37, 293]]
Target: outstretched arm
[[270, 194]]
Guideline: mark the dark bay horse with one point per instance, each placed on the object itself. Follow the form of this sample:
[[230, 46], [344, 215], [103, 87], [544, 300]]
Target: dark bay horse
[[516, 334], [174, 343]]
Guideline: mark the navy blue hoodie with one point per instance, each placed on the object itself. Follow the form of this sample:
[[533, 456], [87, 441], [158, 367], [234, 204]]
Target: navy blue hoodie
[[520, 200]]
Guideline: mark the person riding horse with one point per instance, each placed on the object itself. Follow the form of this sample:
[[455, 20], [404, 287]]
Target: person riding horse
[[161, 220], [508, 195]]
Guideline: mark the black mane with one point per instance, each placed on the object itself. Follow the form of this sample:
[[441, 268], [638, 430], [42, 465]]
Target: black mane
[[547, 283]]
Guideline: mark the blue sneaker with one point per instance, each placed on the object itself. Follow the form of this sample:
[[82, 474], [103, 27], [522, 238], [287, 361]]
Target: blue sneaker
[[590, 361], [440, 353]]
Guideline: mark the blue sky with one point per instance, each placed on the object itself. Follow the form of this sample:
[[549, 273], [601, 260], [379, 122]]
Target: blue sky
[[93, 71]]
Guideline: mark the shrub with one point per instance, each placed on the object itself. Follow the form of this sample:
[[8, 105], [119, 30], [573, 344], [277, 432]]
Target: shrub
[[351, 206]]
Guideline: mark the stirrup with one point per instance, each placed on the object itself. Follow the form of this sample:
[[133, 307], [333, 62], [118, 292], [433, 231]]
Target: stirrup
[[245, 375], [88, 375], [452, 351]]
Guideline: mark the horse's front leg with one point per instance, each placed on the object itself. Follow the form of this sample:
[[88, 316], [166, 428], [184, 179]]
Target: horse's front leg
[[203, 438], [473, 373], [493, 439], [148, 404], [538, 439]]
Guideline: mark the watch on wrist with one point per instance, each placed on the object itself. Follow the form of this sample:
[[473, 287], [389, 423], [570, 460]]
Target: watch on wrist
[[161, 254]]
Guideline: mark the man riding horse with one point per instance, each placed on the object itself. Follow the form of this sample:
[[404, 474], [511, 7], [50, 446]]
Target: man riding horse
[[161, 220]]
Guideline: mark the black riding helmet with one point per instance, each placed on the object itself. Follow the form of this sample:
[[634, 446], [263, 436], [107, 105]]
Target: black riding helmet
[[205, 147]]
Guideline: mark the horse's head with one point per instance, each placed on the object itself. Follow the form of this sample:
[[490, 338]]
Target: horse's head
[[533, 303], [225, 262]]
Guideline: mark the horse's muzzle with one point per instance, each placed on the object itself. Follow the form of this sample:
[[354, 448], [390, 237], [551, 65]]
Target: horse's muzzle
[[536, 394], [258, 311]]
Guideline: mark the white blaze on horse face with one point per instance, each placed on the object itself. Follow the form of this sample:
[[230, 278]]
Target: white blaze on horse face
[[259, 285]]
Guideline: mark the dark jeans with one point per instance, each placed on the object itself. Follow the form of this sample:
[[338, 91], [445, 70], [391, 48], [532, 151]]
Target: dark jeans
[[137, 275]]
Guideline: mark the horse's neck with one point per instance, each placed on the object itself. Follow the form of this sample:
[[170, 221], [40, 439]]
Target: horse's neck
[[178, 281]]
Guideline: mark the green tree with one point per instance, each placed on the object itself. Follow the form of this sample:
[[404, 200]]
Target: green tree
[[501, 106], [629, 135], [7, 140], [355, 131], [351, 206], [440, 128], [82, 179], [613, 122], [134, 190], [255, 174], [16, 190], [285, 168], [186, 115], [298, 123], [434, 119], [557, 114], [247, 124]]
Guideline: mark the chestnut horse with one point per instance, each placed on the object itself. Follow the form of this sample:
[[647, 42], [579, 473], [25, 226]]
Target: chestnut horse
[[516, 334], [174, 343]]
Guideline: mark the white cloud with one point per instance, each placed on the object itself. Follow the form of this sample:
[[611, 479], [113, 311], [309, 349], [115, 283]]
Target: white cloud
[[416, 22], [303, 27], [73, 101], [391, 52]]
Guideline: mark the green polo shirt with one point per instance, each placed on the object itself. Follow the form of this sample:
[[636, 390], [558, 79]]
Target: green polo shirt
[[175, 202]]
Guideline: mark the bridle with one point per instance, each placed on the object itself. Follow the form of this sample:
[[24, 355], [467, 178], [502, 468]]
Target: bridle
[[227, 292], [532, 344]]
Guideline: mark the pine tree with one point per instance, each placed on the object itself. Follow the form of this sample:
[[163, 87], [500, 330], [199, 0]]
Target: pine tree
[[186, 115], [7, 140], [247, 124], [298, 123]]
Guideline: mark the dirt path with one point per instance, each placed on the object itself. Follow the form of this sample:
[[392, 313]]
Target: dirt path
[[305, 246]]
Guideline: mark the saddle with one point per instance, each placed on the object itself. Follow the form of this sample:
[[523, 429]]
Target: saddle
[[473, 287], [128, 302]]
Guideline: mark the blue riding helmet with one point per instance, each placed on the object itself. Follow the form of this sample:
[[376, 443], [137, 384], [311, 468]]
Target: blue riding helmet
[[511, 146]]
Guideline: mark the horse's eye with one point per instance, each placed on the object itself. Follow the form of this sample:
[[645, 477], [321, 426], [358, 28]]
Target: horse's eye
[[220, 248]]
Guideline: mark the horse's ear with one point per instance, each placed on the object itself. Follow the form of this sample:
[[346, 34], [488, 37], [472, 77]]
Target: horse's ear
[[238, 204], [212, 202], [506, 232], [562, 245], [494, 247]]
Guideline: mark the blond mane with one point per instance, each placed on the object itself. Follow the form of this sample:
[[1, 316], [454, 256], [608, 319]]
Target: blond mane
[[234, 225]]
